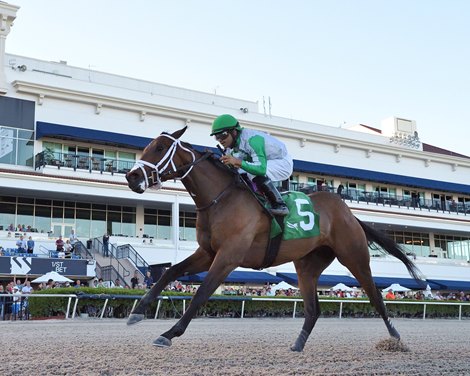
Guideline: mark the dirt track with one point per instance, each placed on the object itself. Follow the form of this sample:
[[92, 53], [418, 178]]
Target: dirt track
[[232, 347]]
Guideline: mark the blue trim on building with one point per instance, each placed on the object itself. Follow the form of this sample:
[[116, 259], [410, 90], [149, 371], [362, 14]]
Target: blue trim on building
[[237, 276], [44, 129]]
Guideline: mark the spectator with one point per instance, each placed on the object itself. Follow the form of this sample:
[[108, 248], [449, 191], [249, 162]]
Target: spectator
[[11, 227], [27, 289], [390, 295], [438, 296], [73, 238], [30, 245], [148, 279], [16, 306], [59, 243], [135, 280], [50, 284], [339, 191], [21, 244], [77, 284], [17, 282], [117, 283], [68, 249], [100, 283], [61, 254], [106, 245]]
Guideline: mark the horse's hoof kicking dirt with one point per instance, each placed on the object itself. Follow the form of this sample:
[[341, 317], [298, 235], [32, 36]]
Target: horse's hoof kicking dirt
[[392, 345]]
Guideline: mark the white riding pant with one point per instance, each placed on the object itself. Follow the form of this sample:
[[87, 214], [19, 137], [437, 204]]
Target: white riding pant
[[278, 169]]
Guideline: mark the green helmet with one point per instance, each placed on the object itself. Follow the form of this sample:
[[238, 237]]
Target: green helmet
[[224, 122]]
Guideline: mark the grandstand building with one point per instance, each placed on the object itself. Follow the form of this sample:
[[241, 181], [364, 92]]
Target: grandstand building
[[68, 135]]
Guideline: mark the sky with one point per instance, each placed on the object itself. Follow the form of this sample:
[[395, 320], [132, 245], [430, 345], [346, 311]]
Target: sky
[[336, 62]]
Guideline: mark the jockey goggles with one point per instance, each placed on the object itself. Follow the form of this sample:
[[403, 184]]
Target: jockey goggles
[[222, 135]]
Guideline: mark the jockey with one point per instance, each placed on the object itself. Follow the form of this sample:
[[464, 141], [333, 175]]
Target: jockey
[[263, 157]]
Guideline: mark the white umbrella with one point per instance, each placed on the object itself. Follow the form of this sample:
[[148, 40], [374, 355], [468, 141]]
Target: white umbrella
[[282, 286], [341, 287], [396, 287], [56, 277]]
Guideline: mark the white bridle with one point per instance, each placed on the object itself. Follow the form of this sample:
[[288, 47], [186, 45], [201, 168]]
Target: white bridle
[[162, 165]]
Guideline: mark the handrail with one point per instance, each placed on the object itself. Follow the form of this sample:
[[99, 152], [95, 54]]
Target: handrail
[[82, 162], [109, 273], [128, 251], [82, 250], [97, 245]]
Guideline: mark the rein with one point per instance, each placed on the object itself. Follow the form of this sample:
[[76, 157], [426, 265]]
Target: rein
[[217, 199]]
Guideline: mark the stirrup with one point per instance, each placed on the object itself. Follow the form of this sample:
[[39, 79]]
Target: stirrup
[[280, 210]]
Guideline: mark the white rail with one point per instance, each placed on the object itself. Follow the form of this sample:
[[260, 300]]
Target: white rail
[[294, 301]]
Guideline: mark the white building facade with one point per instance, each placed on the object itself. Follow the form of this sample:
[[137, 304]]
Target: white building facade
[[68, 136]]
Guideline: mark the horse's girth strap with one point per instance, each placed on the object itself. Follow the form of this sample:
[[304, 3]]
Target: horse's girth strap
[[273, 245]]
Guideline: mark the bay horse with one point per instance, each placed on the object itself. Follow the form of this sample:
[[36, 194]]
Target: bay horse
[[233, 230]]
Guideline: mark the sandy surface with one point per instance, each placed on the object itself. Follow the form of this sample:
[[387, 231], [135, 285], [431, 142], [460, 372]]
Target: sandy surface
[[232, 347]]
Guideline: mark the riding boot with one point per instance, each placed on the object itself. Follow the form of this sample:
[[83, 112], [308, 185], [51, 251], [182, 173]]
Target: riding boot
[[266, 186]]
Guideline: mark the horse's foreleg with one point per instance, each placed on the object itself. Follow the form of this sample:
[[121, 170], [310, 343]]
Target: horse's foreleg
[[308, 270], [216, 275], [199, 261]]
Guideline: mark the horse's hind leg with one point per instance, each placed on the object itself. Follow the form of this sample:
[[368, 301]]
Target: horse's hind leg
[[199, 261], [308, 270], [357, 261]]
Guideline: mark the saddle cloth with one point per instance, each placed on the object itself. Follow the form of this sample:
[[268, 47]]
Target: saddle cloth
[[302, 221]]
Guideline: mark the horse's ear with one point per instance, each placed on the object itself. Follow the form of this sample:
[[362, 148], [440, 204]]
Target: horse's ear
[[179, 133]]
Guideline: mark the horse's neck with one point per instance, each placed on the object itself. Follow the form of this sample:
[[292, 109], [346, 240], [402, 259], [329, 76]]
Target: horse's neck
[[206, 182]]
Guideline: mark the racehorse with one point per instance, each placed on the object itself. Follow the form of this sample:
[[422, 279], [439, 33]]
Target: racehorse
[[233, 231]]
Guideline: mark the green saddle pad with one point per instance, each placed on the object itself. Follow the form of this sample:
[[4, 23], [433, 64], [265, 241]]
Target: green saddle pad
[[302, 221]]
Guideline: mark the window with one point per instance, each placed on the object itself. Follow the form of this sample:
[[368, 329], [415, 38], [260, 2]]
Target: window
[[16, 146], [157, 223], [187, 226]]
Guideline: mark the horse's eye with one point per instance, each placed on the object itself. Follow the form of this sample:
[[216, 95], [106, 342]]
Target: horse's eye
[[159, 148]]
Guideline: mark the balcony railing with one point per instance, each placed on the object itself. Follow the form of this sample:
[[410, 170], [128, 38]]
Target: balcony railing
[[388, 199], [82, 162]]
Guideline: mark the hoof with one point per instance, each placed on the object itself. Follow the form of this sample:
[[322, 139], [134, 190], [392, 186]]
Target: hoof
[[134, 318], [296, 348], [162, 342]]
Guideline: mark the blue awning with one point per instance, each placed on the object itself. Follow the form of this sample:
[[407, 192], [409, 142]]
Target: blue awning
[[89, 135], [237, 276], [443, 284], [410, 283], [357, 173], [380, 282], [324, 280]]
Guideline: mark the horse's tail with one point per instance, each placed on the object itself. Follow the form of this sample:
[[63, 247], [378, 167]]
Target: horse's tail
[[392, 248]]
